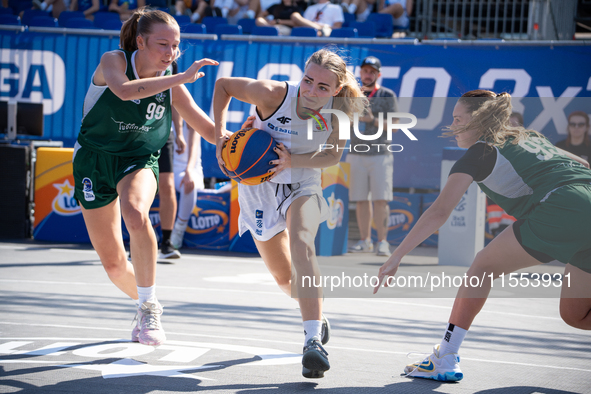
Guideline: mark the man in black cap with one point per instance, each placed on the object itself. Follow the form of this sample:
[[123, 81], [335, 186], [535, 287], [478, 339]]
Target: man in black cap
[[372, 164]]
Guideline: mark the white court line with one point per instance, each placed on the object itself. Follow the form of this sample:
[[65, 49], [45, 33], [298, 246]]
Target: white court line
[[364, 350], [159, 286], [414, 304], [449, 308], [185, 256]]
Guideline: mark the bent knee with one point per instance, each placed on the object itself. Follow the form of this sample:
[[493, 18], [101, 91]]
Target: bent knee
[[115, 267]]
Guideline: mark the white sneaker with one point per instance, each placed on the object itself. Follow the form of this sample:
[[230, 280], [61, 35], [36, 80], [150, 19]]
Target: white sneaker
[[445, 368], [362, 246], [151, 332], [178, 233], [383, 248]]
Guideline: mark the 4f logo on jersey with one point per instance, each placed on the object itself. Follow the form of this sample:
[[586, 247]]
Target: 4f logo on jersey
[[284, 120]]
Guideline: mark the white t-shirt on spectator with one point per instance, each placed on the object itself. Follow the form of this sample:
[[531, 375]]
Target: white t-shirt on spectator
[[325, 14]]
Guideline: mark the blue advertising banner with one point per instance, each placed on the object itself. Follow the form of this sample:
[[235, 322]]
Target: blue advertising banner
[[331, 239], [56, 69], [405, 209]]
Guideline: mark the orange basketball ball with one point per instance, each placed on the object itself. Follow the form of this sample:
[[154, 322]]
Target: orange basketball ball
[[247, 155]]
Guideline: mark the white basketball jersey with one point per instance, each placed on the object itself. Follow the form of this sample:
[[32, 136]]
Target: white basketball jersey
[[289, 129]]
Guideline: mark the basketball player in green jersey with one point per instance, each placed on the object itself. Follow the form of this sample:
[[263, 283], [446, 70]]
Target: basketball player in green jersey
[[126, 121], [546, 188]]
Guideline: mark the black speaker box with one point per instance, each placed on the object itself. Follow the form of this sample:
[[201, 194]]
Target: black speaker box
[[14, 191]]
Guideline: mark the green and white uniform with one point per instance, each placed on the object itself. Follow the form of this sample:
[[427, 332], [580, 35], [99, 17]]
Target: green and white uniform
[[549, 194], [118, 137]]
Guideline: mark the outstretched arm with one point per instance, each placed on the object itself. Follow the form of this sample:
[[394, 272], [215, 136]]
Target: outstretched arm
[[265, 94], [192, 114], [428, 223], [111, 72]]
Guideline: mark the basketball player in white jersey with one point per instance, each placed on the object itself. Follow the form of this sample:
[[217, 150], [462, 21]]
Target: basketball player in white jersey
[[284, 213]]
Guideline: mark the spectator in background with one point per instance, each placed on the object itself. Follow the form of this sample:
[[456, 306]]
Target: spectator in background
[[577, 142], [197, 9], [54, 6], [399, 9], [325, 16], [360, 8], [234, 10], [284, 16], [88, 7], [125, 8], [372, 171]]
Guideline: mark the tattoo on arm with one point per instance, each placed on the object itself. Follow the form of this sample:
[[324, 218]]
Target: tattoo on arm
[[140, 89]]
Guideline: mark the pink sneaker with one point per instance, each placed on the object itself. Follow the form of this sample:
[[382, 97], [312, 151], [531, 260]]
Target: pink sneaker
[[150, 328], [136, 329]]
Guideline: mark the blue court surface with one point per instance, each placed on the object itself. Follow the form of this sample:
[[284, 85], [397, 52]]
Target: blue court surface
[[65, 328]]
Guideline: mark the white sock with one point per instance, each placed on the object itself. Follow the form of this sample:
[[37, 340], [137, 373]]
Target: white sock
[[195, 17], [146, 294], [352, 8], [312, 328], [452, 339]]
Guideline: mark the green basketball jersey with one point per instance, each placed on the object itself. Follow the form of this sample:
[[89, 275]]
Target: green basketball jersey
[[525, 173], [125, 128]]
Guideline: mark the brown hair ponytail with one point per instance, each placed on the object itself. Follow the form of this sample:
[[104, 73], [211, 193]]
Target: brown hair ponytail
[[140, 24]]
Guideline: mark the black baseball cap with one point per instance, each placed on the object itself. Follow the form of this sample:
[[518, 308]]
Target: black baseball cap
[[373, 62]]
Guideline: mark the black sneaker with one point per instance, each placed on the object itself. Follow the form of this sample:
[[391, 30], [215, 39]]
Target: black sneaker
[[167, 251], [325, 333], [315, 360]]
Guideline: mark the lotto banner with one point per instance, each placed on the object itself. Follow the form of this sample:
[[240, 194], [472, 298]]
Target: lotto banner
[[58, 217], [331, 239], [405, 209], [209, 224]]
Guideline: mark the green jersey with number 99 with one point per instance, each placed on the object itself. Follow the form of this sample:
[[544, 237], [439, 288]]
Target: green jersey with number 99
[[526, 172], [125, 128]]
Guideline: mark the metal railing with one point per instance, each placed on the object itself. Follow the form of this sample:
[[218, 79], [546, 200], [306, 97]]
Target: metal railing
[[494, 19]]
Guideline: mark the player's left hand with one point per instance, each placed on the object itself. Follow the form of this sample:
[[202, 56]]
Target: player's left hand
[[283, 162], [248, 122]]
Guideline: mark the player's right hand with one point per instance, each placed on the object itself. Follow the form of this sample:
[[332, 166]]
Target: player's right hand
[[218, 151]]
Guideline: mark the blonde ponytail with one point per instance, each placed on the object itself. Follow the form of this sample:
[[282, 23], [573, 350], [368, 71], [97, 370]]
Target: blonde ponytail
[[490, 116]]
